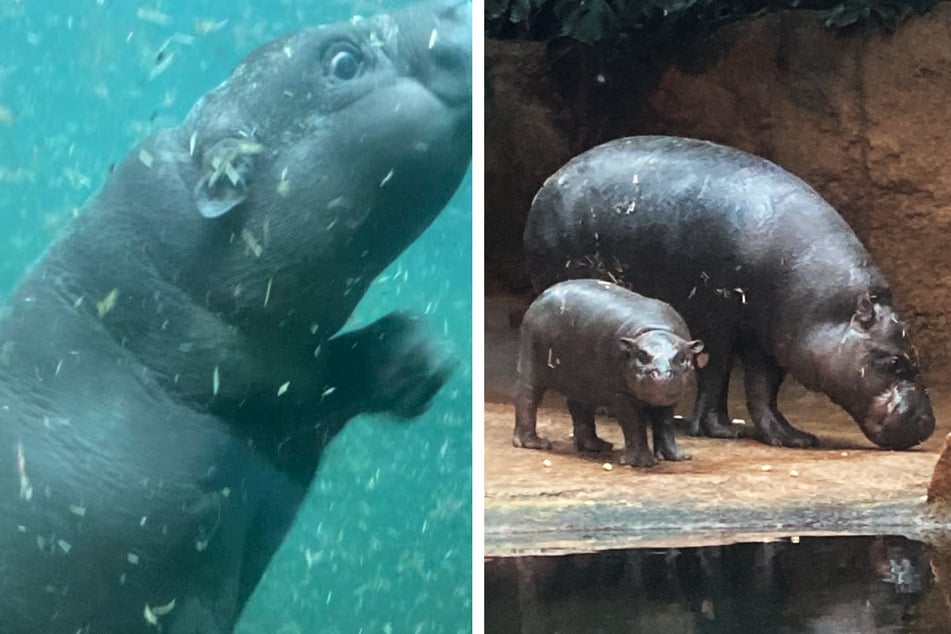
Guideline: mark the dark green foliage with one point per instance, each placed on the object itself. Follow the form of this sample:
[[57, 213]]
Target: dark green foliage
[[886, 13], [605, 22]]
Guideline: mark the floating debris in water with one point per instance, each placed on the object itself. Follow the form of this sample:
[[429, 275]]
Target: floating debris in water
[[281, 390], [206, 27], [252, 242], [75, 509], [6, 115], [146, 158], [164, 62], [154, 16], [108, 303], [26, 489], [215, 382], [152, 614]]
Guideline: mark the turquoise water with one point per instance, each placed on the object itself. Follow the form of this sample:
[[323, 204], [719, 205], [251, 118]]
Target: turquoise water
[[384, 541]]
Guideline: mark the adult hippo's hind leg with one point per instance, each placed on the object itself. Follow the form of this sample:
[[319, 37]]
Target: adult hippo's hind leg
[[527, 398], [586, 435], [762, 378], [665, 447]]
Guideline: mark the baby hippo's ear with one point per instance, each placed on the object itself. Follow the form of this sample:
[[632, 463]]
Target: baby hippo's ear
[[700, 357], [226, 171], [628, 346]]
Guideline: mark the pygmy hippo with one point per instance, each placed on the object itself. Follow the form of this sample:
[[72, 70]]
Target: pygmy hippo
[[759, 265], [173, 368], [599, 344]]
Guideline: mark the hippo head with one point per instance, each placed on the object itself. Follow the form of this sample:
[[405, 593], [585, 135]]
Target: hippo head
[[318, 161], [659, 365], [869, 367]]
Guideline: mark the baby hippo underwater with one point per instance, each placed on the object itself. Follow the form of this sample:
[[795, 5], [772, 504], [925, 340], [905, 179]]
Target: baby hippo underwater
[[599, 344]]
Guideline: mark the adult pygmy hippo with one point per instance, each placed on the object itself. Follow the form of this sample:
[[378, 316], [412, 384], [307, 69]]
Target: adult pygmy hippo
[[599, 344], [759, 266], [170, 370]]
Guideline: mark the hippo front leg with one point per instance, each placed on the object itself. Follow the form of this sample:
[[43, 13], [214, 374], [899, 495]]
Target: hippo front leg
[[586, 436], [665, 447], [631, 416], [762, 378], [390, 366]]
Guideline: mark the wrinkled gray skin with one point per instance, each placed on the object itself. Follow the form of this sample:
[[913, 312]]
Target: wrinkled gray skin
[[599, 344], [156, 448], [758, 264]]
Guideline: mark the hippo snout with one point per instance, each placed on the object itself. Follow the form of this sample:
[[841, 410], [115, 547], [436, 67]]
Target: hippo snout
[[900, 417], [443, 59], [661, 388]]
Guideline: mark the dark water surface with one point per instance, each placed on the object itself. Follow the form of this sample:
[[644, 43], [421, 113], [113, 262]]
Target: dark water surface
[[816, 585], [383, 544]]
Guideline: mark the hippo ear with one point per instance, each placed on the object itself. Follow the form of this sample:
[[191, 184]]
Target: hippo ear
[[628, 346], [700, 357], [225, 173], [865, 311]]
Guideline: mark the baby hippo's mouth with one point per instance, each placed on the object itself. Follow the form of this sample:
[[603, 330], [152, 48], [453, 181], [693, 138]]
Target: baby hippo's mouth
[[661, 391], [900, 417]]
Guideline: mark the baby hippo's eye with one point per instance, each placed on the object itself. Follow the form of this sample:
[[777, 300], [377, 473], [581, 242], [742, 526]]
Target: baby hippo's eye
[[644, 357], [343, 62]]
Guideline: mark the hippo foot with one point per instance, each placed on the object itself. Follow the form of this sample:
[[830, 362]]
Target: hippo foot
[[530, 441], [408, 367], [592, 444], [790, 437], [714, 426], [642, 459], [672, 455]]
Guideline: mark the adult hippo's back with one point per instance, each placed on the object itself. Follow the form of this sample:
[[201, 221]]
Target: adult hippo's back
[[171, 369], [759, 265]]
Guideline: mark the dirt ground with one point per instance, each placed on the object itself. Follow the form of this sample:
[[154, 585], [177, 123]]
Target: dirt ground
[[732, 490]]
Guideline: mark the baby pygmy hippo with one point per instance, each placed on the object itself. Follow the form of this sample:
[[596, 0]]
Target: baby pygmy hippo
[[599, 344]]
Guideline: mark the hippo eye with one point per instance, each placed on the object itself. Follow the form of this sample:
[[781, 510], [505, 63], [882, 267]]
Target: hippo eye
[[344, 63], [644, 357]]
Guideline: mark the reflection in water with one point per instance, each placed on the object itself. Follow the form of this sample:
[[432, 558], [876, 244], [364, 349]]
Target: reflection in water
[[828, 585]]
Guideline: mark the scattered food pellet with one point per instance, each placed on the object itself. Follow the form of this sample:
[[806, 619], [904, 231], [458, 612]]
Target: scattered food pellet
[[738, 421], [794, 473], [794, 539], [607, 466], [766, 467], [546, 462], [844, 454]]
